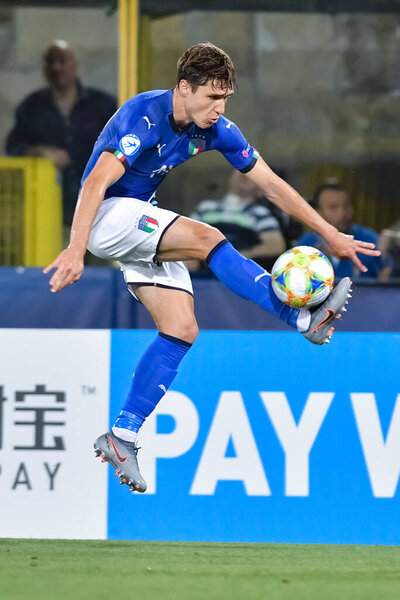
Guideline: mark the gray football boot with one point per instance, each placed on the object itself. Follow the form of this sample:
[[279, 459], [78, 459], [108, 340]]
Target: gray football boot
[[122, 456], [320, 330]]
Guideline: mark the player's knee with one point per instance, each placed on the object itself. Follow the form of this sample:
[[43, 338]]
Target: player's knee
[[191, 332], [208, 237], [187, 331]]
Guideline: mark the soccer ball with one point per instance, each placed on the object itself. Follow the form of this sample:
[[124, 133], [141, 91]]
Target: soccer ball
[[302, 276]]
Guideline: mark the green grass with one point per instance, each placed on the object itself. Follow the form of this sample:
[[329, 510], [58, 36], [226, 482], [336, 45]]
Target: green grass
[[107, 570]]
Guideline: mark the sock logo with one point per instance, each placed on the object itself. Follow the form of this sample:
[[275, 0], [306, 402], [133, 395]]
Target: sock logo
[[163, 388], [259, 276]]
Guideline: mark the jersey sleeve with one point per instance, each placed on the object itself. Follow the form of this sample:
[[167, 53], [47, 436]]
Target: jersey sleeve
[[133, 131], [231, 142]]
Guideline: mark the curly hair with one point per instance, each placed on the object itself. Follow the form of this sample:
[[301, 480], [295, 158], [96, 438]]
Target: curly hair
[[205, 62]]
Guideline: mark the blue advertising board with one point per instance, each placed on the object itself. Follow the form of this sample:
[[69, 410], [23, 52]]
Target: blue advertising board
[[266, 438]]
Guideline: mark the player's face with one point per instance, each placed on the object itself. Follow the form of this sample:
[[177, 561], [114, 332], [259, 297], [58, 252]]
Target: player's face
[[335, 207], [205, 105]]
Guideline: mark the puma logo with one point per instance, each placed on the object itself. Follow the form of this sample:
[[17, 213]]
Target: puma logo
[[146, 118]]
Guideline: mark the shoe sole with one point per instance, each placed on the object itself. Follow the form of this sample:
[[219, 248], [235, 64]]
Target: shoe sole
[[337, 315], [123, 477]]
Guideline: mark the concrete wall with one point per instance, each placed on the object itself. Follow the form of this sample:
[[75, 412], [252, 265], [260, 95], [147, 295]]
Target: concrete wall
[[312, 88]]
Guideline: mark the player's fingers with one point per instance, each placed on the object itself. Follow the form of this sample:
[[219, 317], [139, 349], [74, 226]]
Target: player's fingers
[[365, 244], [58, 285], [58, 277], [369, 252], [359, 264], [50, 266], [63, 279]]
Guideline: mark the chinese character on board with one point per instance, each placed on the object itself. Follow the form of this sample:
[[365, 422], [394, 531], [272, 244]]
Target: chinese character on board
[[39, 417]]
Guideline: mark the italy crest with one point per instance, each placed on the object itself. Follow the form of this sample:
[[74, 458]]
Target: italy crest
[[197, 144]]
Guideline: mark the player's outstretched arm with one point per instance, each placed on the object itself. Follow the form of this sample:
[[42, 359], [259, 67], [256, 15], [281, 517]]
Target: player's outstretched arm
[[284, 196], [69, 263]]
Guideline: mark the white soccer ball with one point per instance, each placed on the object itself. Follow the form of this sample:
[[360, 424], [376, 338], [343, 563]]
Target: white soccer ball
[[302, 276]]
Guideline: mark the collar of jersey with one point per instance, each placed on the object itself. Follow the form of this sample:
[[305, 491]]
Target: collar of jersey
[[174, 126]]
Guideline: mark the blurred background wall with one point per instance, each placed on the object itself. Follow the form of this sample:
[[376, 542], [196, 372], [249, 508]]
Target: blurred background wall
[[314, 89]]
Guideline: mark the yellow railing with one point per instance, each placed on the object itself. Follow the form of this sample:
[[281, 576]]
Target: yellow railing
[[30, 212], [128, 31]]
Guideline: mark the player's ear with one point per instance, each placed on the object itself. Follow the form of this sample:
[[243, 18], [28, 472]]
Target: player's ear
[[184, 87]]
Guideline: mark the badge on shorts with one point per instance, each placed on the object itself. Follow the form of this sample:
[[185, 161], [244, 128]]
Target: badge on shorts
[[148, 224]]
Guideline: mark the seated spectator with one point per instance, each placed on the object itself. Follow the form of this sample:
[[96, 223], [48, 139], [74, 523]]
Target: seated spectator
[[333, 203], [290, 228], [245, 220], [61, 122], [389, 245]]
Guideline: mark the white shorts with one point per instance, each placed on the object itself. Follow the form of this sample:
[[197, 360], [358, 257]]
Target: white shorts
[[130, 231]]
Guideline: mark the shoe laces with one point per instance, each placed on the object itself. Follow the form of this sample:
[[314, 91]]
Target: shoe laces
[[132, 447]]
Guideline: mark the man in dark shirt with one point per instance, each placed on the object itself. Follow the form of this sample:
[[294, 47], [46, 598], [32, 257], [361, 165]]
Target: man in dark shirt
[[61, 122]]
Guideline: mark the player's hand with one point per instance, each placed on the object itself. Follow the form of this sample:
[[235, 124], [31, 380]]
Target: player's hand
[[345, 246], [69, 268]]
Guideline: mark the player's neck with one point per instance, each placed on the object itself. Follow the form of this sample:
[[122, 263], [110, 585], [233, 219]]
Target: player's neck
[[181, 118]]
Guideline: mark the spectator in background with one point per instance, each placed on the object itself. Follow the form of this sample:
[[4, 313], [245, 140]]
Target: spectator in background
[[333, 203], [61, 122], [245, 220], [290, 228], [389, 245]]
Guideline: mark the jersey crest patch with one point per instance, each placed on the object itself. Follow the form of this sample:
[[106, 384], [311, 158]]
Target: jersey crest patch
[[148, 224], [197, 144], [129, 144]]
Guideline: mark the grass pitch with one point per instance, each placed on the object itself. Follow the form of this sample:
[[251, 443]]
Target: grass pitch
[[100, 570]]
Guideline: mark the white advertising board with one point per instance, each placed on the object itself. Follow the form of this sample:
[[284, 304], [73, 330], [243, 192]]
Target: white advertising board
[[54, 402]]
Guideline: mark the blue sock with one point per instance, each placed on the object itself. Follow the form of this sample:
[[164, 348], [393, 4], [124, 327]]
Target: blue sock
[[154, 374], [249, 280]]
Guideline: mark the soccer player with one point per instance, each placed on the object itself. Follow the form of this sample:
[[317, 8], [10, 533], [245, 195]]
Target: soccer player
[[117, 218]]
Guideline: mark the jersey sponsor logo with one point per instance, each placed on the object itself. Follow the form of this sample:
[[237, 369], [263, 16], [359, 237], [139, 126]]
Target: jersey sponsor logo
[[197, 144], [161, 171], [149, 125], [129, 144], [148, 224]]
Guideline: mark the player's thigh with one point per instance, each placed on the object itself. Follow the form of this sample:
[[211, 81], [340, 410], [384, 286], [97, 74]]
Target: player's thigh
[[172, 310], [187, 239]]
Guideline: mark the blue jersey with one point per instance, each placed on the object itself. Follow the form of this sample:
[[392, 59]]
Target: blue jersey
[[145, 138]]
